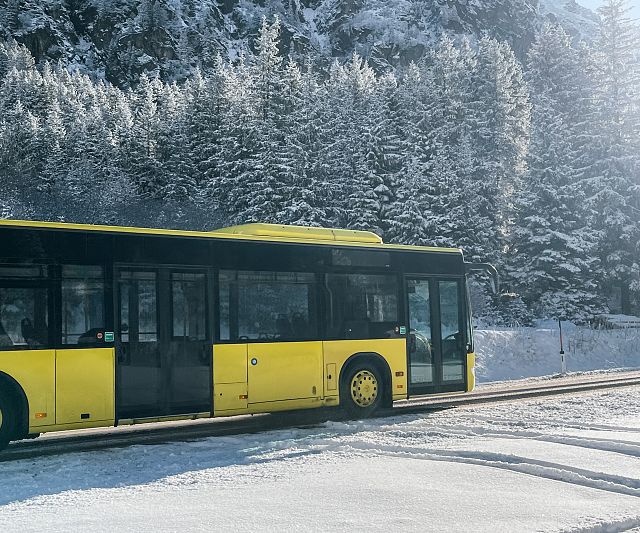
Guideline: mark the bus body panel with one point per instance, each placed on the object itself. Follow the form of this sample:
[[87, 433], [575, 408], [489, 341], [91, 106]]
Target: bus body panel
[[471, 371], [35, 372], [85, 386], [394, 351], [283, 371], [229, 379]]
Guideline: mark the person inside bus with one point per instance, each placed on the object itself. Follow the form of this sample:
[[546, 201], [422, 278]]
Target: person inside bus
[[29, 333], [5, 340]]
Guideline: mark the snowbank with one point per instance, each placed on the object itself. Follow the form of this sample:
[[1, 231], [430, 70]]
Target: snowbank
[[515, 353]]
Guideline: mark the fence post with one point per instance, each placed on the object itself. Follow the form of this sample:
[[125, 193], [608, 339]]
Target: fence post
[[563, 362]]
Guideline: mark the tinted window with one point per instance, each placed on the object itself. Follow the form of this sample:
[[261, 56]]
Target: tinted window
[[82, 304], [32, 271], [452, 336], [138, 311], [23, 317], [362, 306], [267, 306], [365, 258], [188, 305]]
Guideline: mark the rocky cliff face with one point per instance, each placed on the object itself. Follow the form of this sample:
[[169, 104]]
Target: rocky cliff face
[[120, 39]]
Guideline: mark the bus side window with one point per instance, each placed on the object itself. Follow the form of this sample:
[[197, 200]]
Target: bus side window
[[23, 317], [275, 306], [362, 306], [82, 304]]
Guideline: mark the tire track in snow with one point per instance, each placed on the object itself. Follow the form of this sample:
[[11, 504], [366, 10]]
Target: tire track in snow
[[515, 463], [629, 448], [560, 424], [629, 525]]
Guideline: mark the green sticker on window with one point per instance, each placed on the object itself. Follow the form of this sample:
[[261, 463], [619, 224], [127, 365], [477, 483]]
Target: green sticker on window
[[108, 336], [403, 330]]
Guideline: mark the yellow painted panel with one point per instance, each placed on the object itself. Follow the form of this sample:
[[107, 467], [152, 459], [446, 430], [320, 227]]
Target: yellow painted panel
[[394, 351], [286, 405], [79, 425], [230, 363], [285, 371], [85, 385], [332, 377], [471, 371], [34, 370], [229, 397], [302, 232]]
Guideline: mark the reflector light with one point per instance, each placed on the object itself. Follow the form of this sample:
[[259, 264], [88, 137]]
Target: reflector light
[[399, 374], [401, 386], [41, 415], [243, 396]]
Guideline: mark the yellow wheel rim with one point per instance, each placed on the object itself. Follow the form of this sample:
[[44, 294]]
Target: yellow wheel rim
[[364, 388]]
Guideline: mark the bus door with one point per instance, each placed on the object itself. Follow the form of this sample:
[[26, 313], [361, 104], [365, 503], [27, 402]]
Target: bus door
[[436, 346], [163, 348], [139, 363], [188, 358]]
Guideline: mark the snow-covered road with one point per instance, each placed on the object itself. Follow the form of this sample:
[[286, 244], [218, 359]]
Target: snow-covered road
[[570, 464]]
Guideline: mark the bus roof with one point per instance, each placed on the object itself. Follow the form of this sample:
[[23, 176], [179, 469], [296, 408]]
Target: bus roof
[[247, 232]]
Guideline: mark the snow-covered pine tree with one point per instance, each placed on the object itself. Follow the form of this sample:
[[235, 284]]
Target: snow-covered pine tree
[[262, 183], [358, 85], [554, 265], [499, 118], [296, 157], [614, 177]]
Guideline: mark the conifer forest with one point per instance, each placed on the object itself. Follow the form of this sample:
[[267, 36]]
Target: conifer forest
[[520, 147]]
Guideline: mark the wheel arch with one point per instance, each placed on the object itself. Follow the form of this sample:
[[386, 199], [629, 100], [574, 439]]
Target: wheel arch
[[19, 398], [380, 363]]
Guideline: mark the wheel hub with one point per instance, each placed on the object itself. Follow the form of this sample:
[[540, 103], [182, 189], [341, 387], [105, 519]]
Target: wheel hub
[[364, 388]]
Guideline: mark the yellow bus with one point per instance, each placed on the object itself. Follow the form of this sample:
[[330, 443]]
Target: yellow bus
[[103, 325]]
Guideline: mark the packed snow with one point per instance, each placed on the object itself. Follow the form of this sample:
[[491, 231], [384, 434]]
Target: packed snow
[[569, 464], [545, 465]]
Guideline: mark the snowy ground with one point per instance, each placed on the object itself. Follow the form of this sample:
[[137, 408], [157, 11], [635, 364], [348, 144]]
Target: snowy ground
[[559, 464], [569, 464]]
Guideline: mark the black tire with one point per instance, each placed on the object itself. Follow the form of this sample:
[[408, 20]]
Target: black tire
[[8, 419], [361, 398]]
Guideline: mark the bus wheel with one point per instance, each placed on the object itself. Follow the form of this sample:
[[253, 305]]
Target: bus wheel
[[7, 420], [361, 391]]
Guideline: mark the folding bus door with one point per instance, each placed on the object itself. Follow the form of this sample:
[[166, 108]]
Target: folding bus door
[[188, 361], [164, 348], [138, 354], [436, 342]]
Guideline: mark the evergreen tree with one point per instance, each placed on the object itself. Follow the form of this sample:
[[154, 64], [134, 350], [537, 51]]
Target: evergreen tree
[[553, 245], [613, 179]]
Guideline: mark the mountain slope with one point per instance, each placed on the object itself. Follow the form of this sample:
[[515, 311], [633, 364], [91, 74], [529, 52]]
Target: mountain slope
[[120, 39]]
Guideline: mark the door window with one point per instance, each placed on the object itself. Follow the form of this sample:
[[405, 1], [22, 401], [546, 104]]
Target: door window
[[138, 307], [421, 356], [188, 306], [452, 331]]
